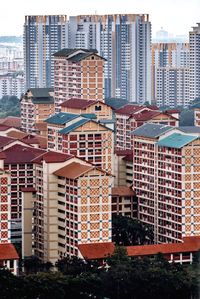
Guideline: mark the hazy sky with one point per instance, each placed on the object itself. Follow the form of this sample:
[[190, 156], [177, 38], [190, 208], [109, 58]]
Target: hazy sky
[[175, 16]]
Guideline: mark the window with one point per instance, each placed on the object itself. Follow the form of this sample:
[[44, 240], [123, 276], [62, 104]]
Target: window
[[98, 108]]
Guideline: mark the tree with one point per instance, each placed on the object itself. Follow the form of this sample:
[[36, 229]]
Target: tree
[[33, 265], [128, 231], [75, 266]]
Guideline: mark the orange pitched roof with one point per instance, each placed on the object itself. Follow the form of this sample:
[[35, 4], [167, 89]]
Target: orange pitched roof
[[129, 109], [8, 252], [11, 121], [52, 157], [122, 191], [73, 170], [77, 103], [16, 134], [103, 250], [96, 250], [190, 244], [29, 138]]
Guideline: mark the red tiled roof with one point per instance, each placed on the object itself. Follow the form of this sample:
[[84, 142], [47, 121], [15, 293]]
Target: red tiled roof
[[78, 103], [96, 250], [145, 115], [190, 244], [103, 250], [11, 121], [129, 109], [4, 127], [29, 138], [152, 107], [4, 140], [122, 191], [52, 157], [73, 170], [16, 134], [36, 139], [21, 154], [8, 252]]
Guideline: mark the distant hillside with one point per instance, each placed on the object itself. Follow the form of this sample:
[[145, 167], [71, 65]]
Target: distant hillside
[[10, 39]]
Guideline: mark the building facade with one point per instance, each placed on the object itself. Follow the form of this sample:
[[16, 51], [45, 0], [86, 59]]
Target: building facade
[[125, 42], [194, 42], [72, 205], [165, 179], [83, 137], [78, 73], [43, 36], [37, 104], [130, 117], [12, 84], [170, 74], [172, 87], [5, 204]]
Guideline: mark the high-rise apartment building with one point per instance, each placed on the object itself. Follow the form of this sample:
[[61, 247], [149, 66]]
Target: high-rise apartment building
[[170, 74], [83, 137], [5, 204], [43, 36], [37, 104], [130, 117], [71, 206], [125, 42], [166, 170], [78, 73], [12, 84], [194, 41], [172, 86]]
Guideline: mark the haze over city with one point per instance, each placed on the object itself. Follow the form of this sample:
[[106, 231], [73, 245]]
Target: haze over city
[[175, 16]]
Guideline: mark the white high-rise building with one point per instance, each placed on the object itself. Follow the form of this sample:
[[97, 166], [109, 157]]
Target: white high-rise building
[[43, 36], [194, 41], [12, 84], [170, 74], [125, 42], [172, 86]]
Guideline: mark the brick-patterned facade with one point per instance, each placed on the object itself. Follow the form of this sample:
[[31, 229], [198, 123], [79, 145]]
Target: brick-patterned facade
[[78, 74], [5, 207], [165, 179]]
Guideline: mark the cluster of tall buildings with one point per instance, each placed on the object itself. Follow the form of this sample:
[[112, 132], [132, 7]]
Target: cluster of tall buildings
[[124, 41], [136, 69], [81, 152], [11, 70]]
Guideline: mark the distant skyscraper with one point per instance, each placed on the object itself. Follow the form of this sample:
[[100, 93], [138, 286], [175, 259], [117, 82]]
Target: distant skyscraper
[[43, 36], [170, 74], [125, 42], [194, 41]]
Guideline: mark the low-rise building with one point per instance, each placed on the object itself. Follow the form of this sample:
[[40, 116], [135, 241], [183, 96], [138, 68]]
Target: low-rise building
[[182, 253], [9, 257]]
